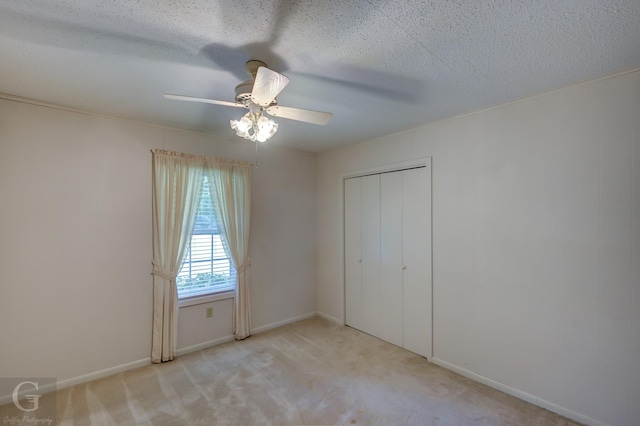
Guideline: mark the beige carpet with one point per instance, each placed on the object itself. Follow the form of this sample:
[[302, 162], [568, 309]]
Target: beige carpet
[[311, 372]]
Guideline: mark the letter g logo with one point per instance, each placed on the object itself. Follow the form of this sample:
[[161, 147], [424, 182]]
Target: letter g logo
[[31, 398]]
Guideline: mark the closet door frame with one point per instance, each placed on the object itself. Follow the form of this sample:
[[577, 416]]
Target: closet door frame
[[385, 168]]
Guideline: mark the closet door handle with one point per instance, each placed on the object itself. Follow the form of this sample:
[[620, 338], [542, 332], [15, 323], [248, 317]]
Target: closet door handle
[[404, 267]]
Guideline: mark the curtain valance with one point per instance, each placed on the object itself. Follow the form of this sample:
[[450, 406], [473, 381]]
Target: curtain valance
[[201, 159]]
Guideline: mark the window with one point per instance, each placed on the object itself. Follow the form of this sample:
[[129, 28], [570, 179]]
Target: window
[[205, 269]]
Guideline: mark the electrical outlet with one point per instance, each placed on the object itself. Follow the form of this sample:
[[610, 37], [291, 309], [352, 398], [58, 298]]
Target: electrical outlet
[[209, 312]]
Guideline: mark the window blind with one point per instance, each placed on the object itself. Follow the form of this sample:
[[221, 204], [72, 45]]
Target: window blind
[[205, 268]]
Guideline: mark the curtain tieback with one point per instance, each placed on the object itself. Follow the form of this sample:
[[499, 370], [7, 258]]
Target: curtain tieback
[[167, 275], [244, 266]]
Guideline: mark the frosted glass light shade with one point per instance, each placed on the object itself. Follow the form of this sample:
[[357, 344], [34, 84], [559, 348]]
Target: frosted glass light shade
[[266, 129], [242, 127]]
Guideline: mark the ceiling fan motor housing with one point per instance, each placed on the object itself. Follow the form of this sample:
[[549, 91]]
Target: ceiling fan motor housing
[[244, 89]]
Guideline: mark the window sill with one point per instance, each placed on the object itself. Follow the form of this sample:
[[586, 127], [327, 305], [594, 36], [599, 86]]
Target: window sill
[[208, 298]]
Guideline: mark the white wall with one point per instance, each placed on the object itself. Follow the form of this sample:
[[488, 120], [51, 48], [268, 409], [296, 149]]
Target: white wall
[[75, 241], [536, 244]]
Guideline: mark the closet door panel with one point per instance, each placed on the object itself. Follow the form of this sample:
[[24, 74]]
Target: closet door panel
[[416, 235], [390, 312], [353, 251], [371, 300]]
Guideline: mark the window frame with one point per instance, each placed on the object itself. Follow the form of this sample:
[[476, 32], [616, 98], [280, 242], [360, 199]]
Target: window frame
[[206, 298]]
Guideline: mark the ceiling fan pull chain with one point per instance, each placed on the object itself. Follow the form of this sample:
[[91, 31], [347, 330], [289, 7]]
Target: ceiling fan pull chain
[[256, 166]]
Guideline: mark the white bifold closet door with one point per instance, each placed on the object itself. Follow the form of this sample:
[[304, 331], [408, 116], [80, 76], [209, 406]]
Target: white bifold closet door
[[416, 257], [353, 252], [388, 257]]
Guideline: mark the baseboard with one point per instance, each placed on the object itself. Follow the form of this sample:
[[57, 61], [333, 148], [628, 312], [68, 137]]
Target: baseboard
[[6, 399], [330, 318], [225, 339], [266, 327], [204, 345], [520, 394], [62, 384]]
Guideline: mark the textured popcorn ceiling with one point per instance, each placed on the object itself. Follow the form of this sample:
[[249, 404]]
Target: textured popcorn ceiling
[[379, 66]]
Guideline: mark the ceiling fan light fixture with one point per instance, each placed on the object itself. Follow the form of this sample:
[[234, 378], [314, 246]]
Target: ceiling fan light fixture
[[255, 127]]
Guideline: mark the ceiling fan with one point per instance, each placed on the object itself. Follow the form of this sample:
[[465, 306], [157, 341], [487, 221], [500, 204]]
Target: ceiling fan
[[258, 95]]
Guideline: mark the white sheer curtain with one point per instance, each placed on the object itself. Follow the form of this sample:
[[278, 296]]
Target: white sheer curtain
[[231, 196], [177, 188]]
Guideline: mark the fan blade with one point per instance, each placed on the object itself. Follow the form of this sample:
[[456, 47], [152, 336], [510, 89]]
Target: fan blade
[[267, 86], [203, 100], [306, 115]]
